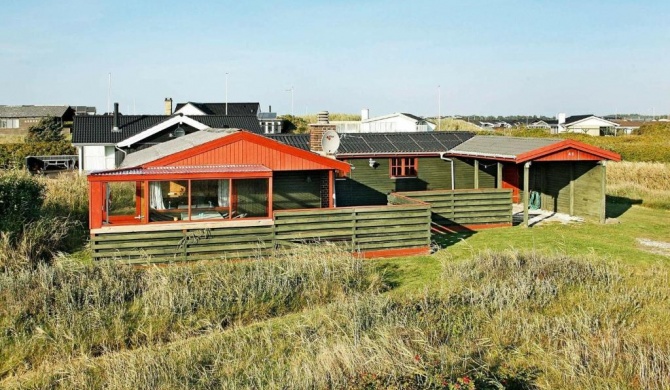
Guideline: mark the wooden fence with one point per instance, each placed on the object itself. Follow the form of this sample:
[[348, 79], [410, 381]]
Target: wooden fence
[[474, 209], [371, 231]]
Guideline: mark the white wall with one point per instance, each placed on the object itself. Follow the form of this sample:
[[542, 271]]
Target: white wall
[[98, 158], [189, 109], [590, 126]]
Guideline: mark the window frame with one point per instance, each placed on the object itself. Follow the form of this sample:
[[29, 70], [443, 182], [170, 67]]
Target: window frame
[[403, 167]]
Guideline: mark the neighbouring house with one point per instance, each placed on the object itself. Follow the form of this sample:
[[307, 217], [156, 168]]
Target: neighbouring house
[[268, 121], [102, 141], [16, 120], [626, 127], [584, 124], [543, 124], [392, 123]]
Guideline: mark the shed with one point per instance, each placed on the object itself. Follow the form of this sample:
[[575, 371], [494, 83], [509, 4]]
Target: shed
[[569, 176]]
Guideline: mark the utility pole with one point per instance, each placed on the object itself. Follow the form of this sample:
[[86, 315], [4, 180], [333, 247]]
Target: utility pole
[[287, 90], [109, 93], [226, 93], [439, 108]]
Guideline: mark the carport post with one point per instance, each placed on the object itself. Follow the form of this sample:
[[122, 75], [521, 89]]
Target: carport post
[[476, 186], [526, 192], [603, 189], [499, 176]]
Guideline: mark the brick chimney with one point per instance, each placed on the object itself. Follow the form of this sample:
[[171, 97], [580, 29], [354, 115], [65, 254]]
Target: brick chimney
[[168, 106], [316, 131]]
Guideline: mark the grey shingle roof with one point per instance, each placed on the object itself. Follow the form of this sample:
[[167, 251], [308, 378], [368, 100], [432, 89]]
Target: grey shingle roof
[[500, 147], [32, 111], [96, 129], [174, 146], [386, 143], [234, 109]]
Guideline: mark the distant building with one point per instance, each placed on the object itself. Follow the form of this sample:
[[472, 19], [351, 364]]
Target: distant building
[[584, 124], [16, 120], [626, 126], [267, 120], [392, 123]]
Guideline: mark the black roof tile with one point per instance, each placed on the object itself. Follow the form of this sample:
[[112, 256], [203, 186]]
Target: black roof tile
[[97, 129], [234, 109]]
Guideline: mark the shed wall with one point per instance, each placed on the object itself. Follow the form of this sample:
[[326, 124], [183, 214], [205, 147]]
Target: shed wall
[[552, 181], [296, 190]]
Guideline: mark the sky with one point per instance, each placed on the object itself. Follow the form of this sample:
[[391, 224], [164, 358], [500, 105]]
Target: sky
[[498, 57]]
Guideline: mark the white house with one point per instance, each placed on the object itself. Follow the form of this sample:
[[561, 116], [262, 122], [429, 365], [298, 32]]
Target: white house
[[584, 124], [392, 123]]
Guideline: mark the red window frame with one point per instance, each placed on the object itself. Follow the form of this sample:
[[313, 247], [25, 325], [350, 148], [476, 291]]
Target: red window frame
[[403, 166]]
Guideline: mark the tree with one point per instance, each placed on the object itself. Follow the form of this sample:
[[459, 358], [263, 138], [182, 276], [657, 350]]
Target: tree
[[295, 124], [50, 129]]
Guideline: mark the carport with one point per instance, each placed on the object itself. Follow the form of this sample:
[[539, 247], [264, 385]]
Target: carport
[[567, 176]]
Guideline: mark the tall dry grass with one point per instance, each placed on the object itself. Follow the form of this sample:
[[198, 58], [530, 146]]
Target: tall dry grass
[[507, 320], [647, 182], [68, 311]]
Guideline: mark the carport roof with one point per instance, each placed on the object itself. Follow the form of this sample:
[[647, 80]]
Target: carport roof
[[526, 149]]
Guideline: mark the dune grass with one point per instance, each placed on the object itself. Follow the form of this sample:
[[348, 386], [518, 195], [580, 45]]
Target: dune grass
[[550, 307]]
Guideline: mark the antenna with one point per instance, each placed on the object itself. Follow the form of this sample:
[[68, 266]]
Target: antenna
[[439, 108], [226, 93], [109, 93], [330, 142]]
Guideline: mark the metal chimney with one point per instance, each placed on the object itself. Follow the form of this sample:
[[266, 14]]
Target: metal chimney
[[322, 117], [116, 118]]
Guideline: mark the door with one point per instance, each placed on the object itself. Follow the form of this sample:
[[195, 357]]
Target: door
[[511, 180]]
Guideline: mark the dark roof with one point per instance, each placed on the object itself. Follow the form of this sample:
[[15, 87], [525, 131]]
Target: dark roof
[[413, 116], [234, 109], [575, 118], [386, 143], [97, 129], [32, 111]]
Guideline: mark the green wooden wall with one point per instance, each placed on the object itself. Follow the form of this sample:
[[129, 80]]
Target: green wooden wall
[[552, 181], [293, 190], [370, 186]]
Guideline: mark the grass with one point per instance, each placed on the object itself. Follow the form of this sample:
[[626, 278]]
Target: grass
[[553, 306]]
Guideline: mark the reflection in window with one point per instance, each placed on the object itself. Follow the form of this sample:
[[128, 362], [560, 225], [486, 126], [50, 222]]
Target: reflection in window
[[250, 198], [210, 199], [168, 200]]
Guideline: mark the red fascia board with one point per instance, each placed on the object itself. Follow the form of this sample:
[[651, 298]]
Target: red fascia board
[[568, 143], [180, 176], [254, 138], [386, 155]]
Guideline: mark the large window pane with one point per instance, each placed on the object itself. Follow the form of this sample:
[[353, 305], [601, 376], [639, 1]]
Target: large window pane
[[250, 198], [121, 198], [168, 200], [210, 199]]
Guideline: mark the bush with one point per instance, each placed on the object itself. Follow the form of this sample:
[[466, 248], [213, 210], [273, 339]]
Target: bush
[[21, 199], [14, 155]]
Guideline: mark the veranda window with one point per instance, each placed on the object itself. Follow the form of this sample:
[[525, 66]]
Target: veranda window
[[403, 167], [123, 202]]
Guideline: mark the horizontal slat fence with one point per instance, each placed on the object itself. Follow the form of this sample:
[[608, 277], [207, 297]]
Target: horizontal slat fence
[[180, 245], [368, 228], [364, 229], [488, 206]]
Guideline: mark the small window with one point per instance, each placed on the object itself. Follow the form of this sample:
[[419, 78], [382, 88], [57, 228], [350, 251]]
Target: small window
[[403, 167]]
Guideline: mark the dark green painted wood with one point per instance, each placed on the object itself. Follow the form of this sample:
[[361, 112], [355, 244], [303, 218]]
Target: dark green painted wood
[[296, 190], [474, 207]]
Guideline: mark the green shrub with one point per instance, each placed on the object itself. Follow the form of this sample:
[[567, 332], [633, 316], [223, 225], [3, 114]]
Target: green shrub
[[21, 199], [14, 155]]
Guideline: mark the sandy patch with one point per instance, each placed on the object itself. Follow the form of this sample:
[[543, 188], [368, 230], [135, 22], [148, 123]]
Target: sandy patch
[[658, 247]]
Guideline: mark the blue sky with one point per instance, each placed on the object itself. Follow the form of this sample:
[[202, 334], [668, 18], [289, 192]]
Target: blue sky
[[489, 57]]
